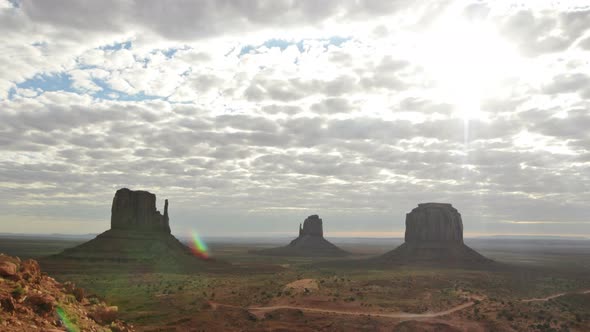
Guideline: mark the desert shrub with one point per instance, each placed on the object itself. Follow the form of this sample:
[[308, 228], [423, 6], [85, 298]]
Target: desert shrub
[[70, 299], [18, 291], [79, 294]]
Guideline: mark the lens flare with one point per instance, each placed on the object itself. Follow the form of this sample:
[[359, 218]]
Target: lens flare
[[198, 246], [63, 317]]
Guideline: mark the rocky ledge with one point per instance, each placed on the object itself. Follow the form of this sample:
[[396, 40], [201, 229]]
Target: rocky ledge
[[33, 301]]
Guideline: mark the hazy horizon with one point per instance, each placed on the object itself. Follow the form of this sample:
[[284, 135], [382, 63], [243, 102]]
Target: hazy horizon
[[333, 235], [250, 118]]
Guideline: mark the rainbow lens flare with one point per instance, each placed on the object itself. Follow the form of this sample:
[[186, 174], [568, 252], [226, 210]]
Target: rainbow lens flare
[[63, 317], [198, 246]]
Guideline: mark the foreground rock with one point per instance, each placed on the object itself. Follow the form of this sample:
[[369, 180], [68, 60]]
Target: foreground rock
[[139, 234], [310, 242], [434, 234], [31, 301]]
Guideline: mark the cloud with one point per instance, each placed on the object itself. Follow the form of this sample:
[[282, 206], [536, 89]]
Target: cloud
[[252, 115]]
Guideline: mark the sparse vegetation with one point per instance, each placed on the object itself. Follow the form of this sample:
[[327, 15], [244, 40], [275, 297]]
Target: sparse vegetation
[[150, 298], [18, 292]]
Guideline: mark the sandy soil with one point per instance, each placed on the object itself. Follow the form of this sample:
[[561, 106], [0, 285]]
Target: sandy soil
[[260, 311], [302, 284]]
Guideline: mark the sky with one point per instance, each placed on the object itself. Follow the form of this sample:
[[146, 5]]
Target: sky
[[251, 115]]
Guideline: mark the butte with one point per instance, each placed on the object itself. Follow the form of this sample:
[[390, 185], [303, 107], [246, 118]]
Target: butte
[[139, 234], [434, 235], [309, 243]]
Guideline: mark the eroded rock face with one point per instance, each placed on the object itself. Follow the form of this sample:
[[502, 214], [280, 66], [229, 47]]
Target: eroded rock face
[[312, 226], [7, 269], [434, 235], [32, 301], [137, 210], [434, 224]]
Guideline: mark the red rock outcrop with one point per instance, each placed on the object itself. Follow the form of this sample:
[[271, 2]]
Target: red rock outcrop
[[434, 224], [434, 234], [312, 226], [136, 210], [32, 301], [7, 269]]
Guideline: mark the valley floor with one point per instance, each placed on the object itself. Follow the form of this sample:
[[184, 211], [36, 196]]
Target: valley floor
[[538, 287]]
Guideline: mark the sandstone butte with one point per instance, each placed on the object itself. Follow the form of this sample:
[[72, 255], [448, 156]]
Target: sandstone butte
[[434, 234], [139, 234], [309, 243]]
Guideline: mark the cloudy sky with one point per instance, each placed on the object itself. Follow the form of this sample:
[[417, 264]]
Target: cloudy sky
[[248, 116]]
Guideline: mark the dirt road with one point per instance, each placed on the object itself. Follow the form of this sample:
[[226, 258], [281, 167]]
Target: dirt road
[[547, 298], [262, 310]]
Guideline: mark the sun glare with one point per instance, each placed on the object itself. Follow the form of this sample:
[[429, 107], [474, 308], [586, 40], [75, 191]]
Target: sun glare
[[466, 60]]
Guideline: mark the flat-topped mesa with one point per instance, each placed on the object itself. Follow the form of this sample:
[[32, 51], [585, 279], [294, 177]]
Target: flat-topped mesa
[[312, 226], [434, 224], [434, 235], [136, 210]]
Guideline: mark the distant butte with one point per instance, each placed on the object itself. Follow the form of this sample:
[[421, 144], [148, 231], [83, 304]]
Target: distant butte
[[136, 210], [139, 234], [434, 234], [310, 242]]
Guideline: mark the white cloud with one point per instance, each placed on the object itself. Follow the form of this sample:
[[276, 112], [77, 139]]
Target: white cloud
[[355, 109]]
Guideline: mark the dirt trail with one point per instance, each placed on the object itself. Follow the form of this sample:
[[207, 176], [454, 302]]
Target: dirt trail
[[262, 310], [553, 296], [403, 315]]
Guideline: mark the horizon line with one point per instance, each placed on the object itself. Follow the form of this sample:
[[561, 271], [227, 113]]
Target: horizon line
[[335, 235]]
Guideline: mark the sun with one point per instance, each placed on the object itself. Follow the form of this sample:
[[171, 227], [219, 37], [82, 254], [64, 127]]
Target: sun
[[466, 61]]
